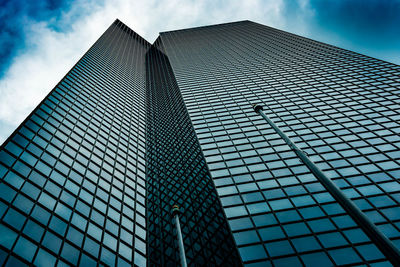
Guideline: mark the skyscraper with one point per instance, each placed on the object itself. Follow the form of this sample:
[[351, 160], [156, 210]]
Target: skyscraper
[[91, 175]]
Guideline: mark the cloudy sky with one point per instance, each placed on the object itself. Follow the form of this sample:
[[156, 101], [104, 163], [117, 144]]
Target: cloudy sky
[[41, 40]]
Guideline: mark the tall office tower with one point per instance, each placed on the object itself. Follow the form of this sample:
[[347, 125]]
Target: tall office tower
[[340, 107], [91, 175], [73, 185]]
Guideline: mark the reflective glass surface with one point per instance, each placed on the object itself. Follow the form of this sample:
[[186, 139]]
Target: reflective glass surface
[[89, 178], [340, 107], [72, 187], [177, 174]]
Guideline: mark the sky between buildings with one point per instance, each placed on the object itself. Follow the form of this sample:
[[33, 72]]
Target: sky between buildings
[[41, 40]]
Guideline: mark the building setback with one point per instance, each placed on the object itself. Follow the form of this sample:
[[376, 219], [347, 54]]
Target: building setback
[[90, 177]]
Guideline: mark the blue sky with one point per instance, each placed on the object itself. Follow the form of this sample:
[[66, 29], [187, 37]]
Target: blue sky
[[14, 16], [41, 40]]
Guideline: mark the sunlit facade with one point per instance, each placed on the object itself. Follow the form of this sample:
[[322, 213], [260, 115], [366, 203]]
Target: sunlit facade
[[89, 178]]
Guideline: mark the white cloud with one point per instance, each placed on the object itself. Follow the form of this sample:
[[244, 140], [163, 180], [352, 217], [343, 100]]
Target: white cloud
[[50, 54]]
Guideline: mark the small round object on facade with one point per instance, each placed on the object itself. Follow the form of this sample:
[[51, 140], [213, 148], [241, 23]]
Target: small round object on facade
[[257, 108], [175, 209]]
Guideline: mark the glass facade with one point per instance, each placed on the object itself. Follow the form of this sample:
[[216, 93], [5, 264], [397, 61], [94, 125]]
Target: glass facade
[[340, 107], [73, 174], [177, 174], [90, 177]]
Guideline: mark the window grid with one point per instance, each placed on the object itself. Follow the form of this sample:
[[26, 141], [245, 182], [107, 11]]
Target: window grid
[[73, 174], [338, 106]]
